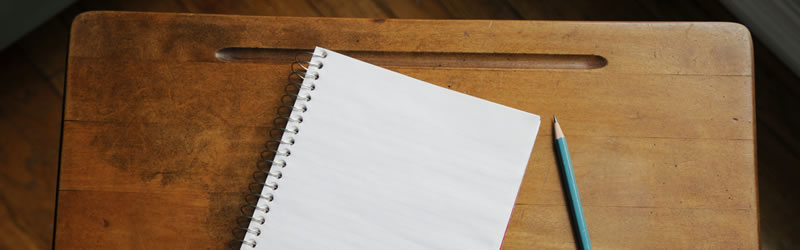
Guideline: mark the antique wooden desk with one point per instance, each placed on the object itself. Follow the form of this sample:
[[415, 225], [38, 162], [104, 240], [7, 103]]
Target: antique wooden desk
[[165, 115]]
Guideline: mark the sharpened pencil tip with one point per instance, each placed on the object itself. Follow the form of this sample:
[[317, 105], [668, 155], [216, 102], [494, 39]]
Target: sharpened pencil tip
[[557, 128]]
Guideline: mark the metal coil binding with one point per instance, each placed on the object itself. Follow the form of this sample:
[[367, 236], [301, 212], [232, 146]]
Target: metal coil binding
[[285, 127]]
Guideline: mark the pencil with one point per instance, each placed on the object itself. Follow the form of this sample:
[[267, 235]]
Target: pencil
[[571, 186]]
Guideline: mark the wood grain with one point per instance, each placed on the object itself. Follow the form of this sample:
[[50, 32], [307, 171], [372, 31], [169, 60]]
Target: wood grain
[[160, 134], [29, 132]]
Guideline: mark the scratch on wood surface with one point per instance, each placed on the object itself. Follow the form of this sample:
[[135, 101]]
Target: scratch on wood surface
[[686, 32]]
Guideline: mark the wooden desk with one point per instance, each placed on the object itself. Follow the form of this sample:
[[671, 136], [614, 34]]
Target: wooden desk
[[161, 136]]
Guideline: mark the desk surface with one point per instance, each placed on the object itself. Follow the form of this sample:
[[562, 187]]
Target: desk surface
[[165, 115]]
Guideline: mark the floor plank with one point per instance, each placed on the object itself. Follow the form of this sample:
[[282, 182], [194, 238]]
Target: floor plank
[[46, 47], [414, 9], [479, 9], [252, 7], [30, 128], [359, 8]]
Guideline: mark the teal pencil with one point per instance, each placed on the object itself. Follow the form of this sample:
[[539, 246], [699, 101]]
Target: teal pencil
[[572, 187]]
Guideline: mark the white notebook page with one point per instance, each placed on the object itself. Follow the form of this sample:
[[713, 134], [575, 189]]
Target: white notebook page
[[385, 161]]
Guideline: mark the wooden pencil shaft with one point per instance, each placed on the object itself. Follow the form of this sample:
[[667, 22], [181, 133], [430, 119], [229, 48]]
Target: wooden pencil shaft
[[571, 187]]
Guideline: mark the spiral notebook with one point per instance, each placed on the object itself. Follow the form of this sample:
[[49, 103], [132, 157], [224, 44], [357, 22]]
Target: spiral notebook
[[368, 158]]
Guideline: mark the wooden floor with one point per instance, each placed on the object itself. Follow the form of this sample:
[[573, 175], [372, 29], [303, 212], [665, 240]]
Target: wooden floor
[[32, 73]]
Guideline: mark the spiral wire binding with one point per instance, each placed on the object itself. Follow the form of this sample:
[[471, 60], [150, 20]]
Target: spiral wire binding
[[283, 132]]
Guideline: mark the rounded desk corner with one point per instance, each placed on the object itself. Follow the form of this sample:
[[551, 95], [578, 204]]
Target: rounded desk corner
[[83, 17], [738, 27], [89, 17], [740, 30]]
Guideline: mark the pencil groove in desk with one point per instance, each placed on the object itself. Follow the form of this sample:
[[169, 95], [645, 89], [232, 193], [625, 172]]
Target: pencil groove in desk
[[430, 59]]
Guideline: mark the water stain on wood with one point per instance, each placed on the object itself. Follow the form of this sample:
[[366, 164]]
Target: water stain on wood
[[223, 209], [151, 152]]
